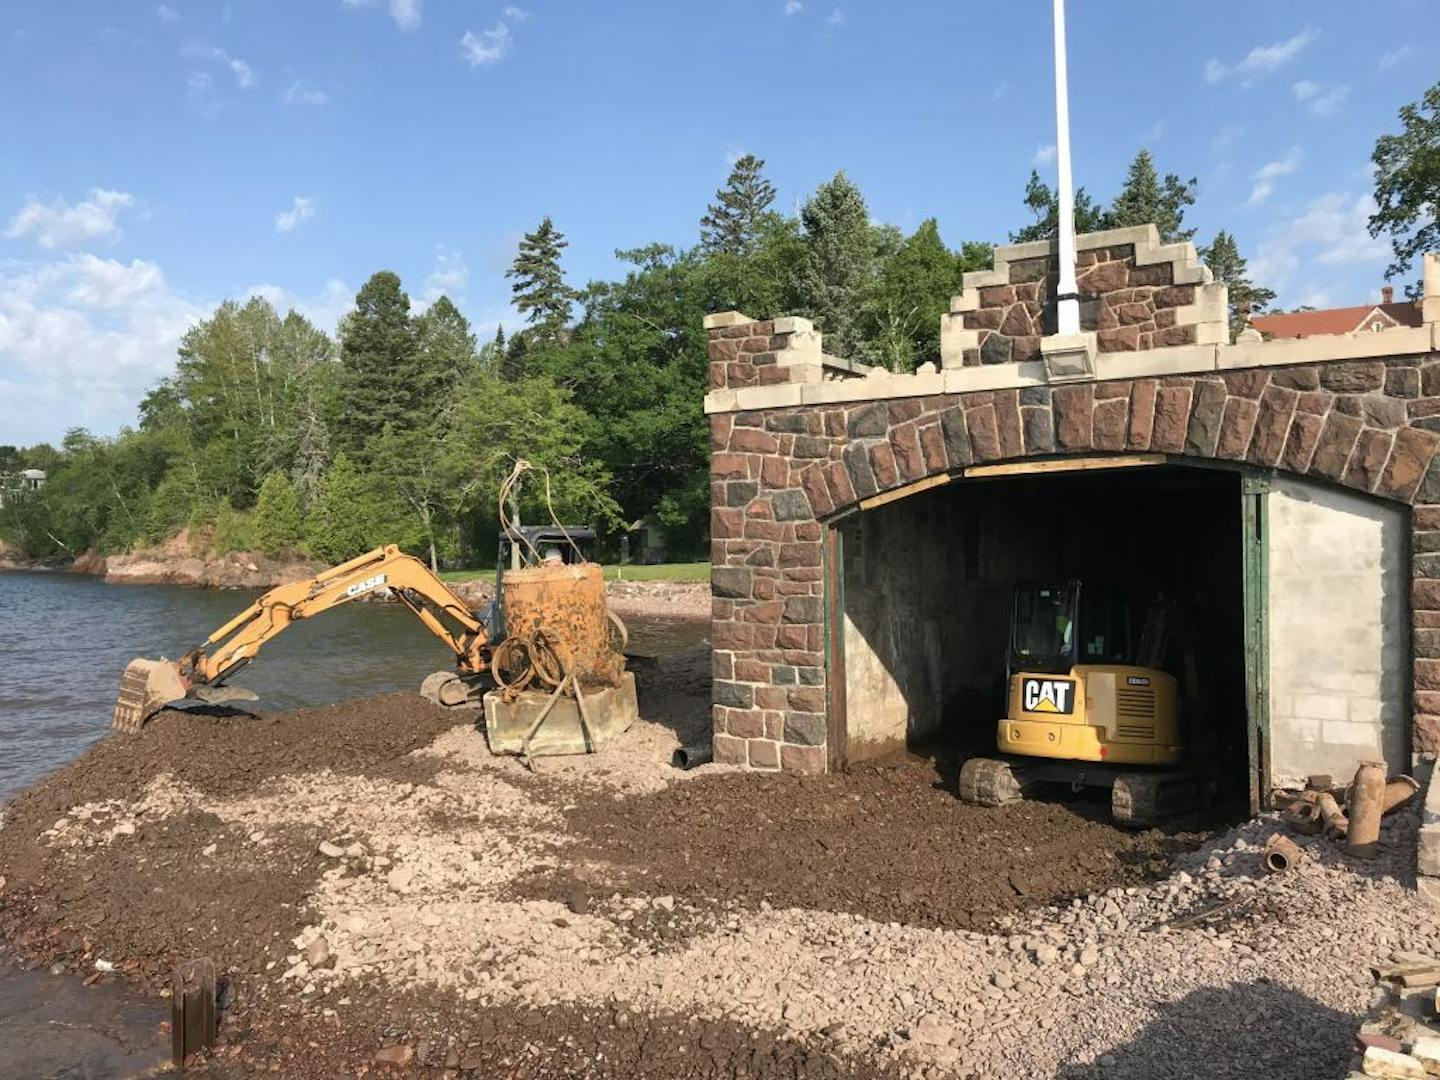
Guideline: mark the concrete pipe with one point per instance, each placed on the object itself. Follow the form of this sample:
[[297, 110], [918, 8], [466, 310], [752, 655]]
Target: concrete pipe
[[1367, 803], [1398, 792], [1281, 853], [1334, 818]]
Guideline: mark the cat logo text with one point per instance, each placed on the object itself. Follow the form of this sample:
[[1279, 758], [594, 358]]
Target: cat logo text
[[1048, 696]]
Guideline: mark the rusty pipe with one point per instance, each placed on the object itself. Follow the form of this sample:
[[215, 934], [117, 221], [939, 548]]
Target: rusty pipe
[[1336, 823], [1398, 792], [1367, 801], [1281, 853]]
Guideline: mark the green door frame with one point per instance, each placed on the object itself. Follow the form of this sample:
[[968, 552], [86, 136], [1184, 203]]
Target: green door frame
[[1255, 572]]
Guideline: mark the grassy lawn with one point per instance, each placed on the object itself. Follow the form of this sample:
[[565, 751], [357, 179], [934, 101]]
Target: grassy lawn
[[698, 571]]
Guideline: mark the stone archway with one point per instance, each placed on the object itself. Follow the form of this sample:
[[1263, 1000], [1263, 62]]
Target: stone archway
[[781, 473]]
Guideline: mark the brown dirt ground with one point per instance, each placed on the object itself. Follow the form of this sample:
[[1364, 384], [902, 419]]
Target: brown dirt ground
[[891, 843], [887, 842]]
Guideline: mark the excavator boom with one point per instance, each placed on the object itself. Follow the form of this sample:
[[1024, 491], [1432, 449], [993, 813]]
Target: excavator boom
[[149, 685]]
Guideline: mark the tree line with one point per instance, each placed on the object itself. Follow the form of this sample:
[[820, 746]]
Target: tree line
[[272, 435]]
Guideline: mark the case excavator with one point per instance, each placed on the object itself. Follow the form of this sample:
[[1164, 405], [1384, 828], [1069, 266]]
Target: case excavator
[[1085, 709], [545, 652]]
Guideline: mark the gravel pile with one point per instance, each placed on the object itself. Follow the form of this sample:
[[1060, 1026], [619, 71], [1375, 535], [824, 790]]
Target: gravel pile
[[1217, 970]]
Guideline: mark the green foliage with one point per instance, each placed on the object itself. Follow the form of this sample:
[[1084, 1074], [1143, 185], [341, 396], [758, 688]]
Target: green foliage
[[345, 519], [841, 246], [380, 379], [732, 222], [234, 530], [1145, 198], [902, 310], [538, 283], [1407, 184], [1223, 258], [279, 525], [1045, 205]]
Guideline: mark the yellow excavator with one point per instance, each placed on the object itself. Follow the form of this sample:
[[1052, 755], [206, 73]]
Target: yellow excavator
[[545, 651], [147, 686], [1084, 709]]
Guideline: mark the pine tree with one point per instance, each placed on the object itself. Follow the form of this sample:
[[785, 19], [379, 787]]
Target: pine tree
[[1045, 205], [446, 353], [731, 223], [538, 283], [278, 523], [380, 381], [1223, 259], [342, 521], [840, 246], [1145, 198]]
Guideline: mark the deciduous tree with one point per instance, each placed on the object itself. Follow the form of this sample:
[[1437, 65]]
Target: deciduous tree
[[1407, 184]]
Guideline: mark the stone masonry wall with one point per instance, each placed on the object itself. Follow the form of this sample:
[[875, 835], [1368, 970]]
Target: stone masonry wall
[[1129, 306], [777, 474]]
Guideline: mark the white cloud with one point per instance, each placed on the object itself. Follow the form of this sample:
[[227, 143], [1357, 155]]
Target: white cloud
[[493, 45], [1001, 90], [244, 74], [793, 7], [1390, 59], [1267, 174], [406, 13], [836, 18], [1323, 102], [448, 277], [1331, 231], [299, 92], [82, 338], [301, 209], [488, 46], [165, 13], [1044, 155], [1261, 60], [59, 224]]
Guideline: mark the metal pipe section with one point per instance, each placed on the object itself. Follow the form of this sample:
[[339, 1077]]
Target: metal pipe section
[[1281, 853], [1367, 802], [687, 757], [1398, 792]]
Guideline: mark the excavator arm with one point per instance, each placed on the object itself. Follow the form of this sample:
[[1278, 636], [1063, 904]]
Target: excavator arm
[[149, 685]]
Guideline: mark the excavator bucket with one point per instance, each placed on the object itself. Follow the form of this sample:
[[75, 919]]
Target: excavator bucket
[[146, 687]]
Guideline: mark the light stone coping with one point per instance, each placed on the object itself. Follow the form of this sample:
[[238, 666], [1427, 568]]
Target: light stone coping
[[1174, 360], [720, 319]]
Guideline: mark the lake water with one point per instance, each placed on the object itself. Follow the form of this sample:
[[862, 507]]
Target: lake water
[[65, 638]]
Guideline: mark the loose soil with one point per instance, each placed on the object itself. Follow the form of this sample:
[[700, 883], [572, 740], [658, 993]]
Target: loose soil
[[372, 884], [888, 842]]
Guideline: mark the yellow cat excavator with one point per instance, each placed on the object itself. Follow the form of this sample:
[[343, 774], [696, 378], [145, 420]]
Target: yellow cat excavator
[[1087, 710]]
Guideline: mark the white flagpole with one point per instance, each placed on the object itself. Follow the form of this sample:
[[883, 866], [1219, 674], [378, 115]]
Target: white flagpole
[[1068, 302]]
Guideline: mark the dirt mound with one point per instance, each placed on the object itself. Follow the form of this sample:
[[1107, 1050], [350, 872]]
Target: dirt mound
[[887, 843]]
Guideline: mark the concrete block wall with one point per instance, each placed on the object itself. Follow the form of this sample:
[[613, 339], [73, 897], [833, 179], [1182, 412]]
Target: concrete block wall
[[1339, 631]]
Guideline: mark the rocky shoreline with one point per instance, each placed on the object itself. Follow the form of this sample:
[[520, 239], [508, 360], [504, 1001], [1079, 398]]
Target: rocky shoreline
[[251, 570]]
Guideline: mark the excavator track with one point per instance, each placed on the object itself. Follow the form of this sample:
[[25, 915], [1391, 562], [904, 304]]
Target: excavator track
[[990, 782], [1139, 800]]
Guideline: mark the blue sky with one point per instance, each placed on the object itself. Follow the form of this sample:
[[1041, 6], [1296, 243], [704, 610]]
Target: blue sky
[[160, 157]]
